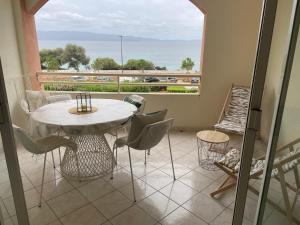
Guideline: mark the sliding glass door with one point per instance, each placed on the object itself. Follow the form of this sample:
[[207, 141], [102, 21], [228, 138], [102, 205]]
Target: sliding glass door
[[266, 191], [12, 200]]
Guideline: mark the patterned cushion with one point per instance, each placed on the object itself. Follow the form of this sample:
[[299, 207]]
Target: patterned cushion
[[236, 114], [134, 100], [231, 158]]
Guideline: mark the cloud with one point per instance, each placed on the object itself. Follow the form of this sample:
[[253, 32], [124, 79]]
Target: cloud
[[164, 19]]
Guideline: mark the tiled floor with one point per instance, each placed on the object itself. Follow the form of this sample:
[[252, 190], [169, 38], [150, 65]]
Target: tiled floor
[[160, 200]]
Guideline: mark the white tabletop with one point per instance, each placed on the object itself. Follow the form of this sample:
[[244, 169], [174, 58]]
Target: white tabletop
[[109, 113]]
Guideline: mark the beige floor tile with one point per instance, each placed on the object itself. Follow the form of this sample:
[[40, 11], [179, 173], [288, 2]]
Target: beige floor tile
[[214, 175], [96, 189], [140, 169], [133, 216], [157, 179], [67, 203], [87, 215], [112, 204], [32, 197], [178, 192], [225, 218], [277, 218], [196, 180], [226, 198], [121, 178], [107, 223], [158, 205], [8, 221], [188, 161], [55, 188], [4, 178], [57, 222], [179, 170], [41, 215], [142, 190], [204, 207], [50, 175], [182, 217]]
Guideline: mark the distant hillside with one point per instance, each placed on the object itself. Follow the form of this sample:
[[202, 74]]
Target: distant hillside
[[84, 36]]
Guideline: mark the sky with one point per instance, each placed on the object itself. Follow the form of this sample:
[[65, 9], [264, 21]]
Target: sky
[[159, 19]]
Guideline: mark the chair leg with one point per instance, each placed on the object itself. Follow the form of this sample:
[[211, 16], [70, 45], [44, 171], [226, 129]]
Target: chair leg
[[116, 148], [59, 153], [134, 198], [288, 208], [145, 158], [112, 162], [43, 178], [149, 151], [198, 148], [171, 156], [53, 159]]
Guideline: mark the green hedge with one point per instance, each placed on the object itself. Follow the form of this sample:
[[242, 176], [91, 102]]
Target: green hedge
[[123, 88]]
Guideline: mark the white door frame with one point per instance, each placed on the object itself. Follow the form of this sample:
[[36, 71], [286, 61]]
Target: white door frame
[[254, 114], [10, 151]]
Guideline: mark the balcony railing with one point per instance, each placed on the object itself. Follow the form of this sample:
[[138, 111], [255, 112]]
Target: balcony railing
[[117, 81]]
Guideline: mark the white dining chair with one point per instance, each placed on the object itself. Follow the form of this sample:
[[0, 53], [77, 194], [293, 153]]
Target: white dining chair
[[43, 146], [149, 137], [140, 104]]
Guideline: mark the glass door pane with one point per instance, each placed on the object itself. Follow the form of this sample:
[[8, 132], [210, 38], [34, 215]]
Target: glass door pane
[[277, 22], [280, 202], [8, 212]]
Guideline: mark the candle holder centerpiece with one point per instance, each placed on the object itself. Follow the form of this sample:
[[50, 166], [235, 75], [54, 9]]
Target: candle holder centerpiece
[[84, 103]]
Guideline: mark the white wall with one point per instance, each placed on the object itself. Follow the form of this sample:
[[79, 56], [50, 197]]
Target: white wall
[[275, 66], [11, 63]]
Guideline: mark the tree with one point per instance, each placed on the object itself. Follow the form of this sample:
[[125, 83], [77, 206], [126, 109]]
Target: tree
[[75, 56], [48, 55], [105, 64], [187, 64], [52, 63], [139, 64]]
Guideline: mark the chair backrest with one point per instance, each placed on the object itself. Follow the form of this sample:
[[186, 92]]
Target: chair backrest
[[58, 98], [138, 122], [138, 101], [151, 135], [237, 109], [28, 143]]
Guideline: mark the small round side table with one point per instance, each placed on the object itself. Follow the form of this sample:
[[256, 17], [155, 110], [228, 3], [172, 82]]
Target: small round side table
[[212, 146]]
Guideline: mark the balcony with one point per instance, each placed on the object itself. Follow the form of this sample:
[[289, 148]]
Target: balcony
[[116, 81]]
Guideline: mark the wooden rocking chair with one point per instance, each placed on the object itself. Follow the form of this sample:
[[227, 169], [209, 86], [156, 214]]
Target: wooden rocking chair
[[235, 109], [284, 163]]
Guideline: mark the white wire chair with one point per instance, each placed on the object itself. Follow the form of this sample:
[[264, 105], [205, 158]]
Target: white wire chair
[[43, 146], [149, 137]]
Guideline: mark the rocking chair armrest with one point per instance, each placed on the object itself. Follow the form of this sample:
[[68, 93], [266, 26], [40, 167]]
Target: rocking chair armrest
[[291, 144], [287, 159]]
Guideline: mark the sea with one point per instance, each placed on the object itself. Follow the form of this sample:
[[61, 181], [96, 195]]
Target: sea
[[161, 52]]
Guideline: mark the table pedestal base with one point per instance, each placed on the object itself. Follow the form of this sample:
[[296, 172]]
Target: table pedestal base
[[92, 160]]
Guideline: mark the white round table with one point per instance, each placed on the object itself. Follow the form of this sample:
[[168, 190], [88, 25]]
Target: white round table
[[94, 156]]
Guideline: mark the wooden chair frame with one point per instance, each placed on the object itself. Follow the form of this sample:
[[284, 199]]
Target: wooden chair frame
[[233, 177]]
